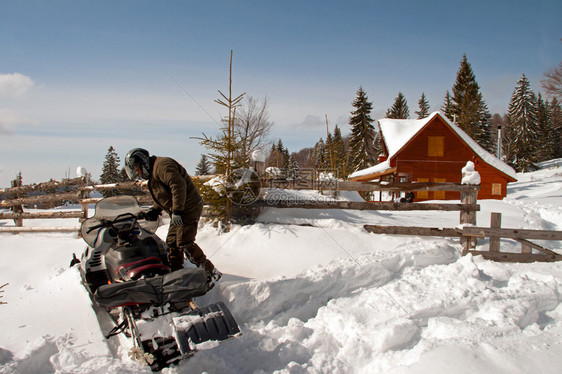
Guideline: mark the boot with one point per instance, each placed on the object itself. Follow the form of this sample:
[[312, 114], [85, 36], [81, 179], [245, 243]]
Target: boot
[[212, 273], [196, 256], [175, 258]]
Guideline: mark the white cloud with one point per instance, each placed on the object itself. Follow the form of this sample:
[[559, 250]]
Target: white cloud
[[311, 121], [14, 85], [10, 119]]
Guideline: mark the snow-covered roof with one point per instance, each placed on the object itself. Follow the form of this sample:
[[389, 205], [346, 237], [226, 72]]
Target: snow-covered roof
[[398, 132], [377, 169]]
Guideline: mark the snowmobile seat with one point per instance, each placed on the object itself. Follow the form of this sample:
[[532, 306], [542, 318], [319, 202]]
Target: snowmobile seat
[[179, 286]]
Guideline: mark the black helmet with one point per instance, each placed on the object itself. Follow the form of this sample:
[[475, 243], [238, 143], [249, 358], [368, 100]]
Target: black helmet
[[137, 164]]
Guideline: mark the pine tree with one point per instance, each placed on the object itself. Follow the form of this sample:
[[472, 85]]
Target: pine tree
[[399, 109], [423, 104], [484, 134], [282, 155], [468, 107], [447, 107], [18, 182], [293, 167], [319, 155], [362, 137], [226, 147], [203, 167], [272, 158], [556, 116], [546, 131], [110, 171], [524, 127], [339, 154], [329, 156]]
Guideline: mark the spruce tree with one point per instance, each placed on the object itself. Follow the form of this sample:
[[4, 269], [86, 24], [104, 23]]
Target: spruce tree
[[203, 167], [282, 155], [556, 117], [423, 104], [447, 107], [468, 107], [339, 154], [110, 171], [484, 134], [546, 131], [524, 128], [362, 138], [319, 155], [292, 167], [329, 157], [399, 109], [272, 158]]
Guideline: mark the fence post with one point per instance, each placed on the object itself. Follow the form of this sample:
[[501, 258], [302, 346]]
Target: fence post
[[495, 223], [468, 197]]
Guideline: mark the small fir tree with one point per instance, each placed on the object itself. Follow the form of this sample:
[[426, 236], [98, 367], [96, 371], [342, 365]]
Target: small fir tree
[[362, 138], [110, 171], [399, 109], [423, 104]]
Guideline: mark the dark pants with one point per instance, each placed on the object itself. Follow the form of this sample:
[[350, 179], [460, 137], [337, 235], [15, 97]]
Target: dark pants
[[182, 238]]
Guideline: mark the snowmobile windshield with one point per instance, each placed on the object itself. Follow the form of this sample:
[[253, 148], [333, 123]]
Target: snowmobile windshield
[[107, 210]]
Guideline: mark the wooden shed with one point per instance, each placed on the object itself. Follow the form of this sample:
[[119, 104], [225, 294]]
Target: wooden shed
[[434, 149]]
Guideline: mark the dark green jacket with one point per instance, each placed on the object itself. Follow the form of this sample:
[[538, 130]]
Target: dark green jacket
[[171, 187]]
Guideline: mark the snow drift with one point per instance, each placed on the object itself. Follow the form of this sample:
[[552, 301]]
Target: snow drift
[[315, 293]]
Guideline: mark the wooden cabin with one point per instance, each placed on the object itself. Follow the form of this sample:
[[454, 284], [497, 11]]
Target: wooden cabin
[[434, 149]]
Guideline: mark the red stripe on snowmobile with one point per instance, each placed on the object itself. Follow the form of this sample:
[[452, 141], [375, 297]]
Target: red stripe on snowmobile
[[153, 259], [136, 271]]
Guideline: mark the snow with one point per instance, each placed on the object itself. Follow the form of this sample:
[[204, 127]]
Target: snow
[[398, 132], [258, 156], [470, 175], [313, 292]]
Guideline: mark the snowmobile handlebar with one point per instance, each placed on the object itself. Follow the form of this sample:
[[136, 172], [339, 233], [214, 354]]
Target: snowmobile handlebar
[[119, 219]]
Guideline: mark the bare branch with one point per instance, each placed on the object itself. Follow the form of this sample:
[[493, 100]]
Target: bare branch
[[1, 290], [552, 85]]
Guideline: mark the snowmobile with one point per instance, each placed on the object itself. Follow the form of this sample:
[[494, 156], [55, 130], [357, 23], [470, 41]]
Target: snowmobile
[[127, 274]]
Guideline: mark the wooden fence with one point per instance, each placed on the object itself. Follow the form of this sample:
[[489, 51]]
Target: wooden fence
[[468, 234], [56, 193], [77, 191]]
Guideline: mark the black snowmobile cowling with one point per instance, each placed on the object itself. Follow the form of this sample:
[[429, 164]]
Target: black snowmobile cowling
[[126, 271]]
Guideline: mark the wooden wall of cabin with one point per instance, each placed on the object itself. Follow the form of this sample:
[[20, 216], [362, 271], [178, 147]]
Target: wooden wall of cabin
[[416, 161]]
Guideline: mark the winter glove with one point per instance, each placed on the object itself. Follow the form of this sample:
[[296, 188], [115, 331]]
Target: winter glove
[[176, 219], [151, 214]]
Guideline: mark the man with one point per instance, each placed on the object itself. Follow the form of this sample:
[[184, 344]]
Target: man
[[172, 190]]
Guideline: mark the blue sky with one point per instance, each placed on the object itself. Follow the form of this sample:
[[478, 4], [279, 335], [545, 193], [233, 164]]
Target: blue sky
[[79, 76]]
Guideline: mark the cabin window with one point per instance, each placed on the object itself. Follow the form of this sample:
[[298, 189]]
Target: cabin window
[[436, 146], [496, 189], [439, 195], [422, 194]]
